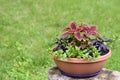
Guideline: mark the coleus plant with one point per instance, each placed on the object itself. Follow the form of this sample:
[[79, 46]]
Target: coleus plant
[[82, 32], [80, 41]]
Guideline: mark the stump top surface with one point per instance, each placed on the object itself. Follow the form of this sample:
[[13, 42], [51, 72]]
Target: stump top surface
[[106, 74]]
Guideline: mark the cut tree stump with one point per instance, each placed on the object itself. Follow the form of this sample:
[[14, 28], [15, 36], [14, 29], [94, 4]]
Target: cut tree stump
[[106, 74]]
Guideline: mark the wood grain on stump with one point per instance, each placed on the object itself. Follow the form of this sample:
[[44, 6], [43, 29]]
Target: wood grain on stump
[[106, 74]]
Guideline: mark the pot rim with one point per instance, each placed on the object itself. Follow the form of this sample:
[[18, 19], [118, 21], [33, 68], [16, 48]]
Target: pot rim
[[76, 60]]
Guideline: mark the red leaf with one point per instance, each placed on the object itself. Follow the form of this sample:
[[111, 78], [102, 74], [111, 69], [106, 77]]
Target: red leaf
[[73, 25], [66, 29], [78, 29], [85, 28], [67, 33], [96, 34], [88, 34], [77, 35], [71, 31], [93, 28]]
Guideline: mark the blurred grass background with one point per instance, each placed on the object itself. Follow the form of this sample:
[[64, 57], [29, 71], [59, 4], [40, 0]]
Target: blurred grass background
[[27, 28]]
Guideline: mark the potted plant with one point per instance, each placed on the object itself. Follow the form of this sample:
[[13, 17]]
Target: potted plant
[[80, 51]]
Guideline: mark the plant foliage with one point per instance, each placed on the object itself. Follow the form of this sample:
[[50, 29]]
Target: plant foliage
[[80, 41]]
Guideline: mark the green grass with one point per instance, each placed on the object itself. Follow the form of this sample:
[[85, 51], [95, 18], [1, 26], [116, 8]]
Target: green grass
[[27, 28]]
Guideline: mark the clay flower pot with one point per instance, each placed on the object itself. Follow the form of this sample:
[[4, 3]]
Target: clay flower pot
[[81, 41], [76, 66]]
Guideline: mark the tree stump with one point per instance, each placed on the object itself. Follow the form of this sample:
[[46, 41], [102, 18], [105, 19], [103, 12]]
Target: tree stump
[[106, 74]]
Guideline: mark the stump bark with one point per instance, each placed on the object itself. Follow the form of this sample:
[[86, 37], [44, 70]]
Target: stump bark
[[106, 74]]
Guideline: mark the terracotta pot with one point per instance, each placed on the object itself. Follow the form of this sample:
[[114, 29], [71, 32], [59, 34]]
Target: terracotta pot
[[81, 66]]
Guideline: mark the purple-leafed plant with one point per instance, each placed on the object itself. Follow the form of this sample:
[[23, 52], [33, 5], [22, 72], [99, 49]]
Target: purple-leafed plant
[[80, 41]]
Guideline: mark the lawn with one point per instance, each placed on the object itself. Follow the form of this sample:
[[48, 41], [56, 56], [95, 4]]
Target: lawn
[[28, 27]]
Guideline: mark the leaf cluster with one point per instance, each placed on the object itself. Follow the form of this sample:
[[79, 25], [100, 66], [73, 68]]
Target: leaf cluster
[[80, 41]]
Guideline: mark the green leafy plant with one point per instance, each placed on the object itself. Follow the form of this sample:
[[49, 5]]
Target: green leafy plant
[[80, 41]]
